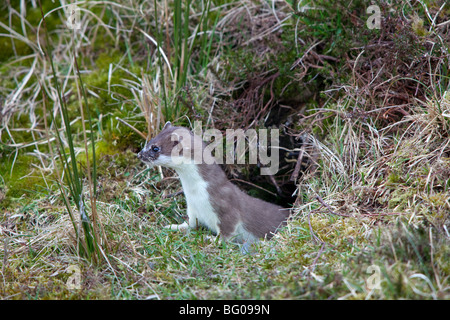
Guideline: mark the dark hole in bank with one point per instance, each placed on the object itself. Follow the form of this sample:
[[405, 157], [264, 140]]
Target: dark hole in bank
[[281, 187]]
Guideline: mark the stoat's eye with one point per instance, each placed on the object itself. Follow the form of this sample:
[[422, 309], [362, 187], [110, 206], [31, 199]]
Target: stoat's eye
[[155, 148]]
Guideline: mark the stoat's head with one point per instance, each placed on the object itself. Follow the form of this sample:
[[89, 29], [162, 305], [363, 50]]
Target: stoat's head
[[168, 148]]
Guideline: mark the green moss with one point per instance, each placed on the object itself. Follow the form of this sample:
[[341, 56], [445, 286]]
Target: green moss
[[11, 47], [19, 179], [111, 159], [394, 179], [417, 26], [400, 199]]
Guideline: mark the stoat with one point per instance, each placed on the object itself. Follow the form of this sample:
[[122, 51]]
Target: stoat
[[212, 200]]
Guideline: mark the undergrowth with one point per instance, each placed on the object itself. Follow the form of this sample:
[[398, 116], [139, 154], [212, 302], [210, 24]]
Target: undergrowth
[[368, 110]]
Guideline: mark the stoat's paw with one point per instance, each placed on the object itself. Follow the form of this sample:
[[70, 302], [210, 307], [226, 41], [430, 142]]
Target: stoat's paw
[[212, 238], [178, 227]]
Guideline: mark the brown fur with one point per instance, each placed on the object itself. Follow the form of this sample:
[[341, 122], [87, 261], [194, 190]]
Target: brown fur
[[231, 205]]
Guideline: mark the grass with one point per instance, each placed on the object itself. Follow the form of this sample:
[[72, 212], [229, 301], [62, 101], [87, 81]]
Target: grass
[[371, 212]]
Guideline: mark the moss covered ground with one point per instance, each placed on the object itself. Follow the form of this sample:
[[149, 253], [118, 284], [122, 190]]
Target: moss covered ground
[[371, 106]]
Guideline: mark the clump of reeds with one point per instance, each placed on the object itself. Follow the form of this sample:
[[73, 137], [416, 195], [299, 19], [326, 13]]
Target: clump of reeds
[[88, 233]]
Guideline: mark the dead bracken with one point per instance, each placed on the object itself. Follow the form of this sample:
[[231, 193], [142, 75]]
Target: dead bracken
[[364, 120]]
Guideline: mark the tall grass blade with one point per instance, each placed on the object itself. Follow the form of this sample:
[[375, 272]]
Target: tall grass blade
[[90, 246]]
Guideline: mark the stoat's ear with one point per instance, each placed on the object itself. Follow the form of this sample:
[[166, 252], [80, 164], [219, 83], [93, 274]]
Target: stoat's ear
[[167, 125], [175, 138]]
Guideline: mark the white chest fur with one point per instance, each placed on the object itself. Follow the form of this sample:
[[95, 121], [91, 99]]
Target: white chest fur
[[199, 208]]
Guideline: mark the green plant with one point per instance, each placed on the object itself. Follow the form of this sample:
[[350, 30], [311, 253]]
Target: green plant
[[90, 246], [188, 36]]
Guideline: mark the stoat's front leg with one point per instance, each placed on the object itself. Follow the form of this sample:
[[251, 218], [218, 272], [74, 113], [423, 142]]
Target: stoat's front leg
[[193, 223], [178, 227]]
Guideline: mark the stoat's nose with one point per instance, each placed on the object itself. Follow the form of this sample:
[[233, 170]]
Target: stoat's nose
[[140, 156]]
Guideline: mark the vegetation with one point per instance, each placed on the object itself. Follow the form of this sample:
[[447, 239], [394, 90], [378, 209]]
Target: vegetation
[[365, 120]]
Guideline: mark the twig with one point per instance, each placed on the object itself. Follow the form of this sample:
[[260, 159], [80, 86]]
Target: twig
[[254, 185], [294, 175], [384, 214], [5, 254], [274, 182], [315, 238], [317, 257], [364, 214], [171, 195], [329, 208], [132, 128]]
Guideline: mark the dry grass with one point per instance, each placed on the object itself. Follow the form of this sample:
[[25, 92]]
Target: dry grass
[[371, 165]]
